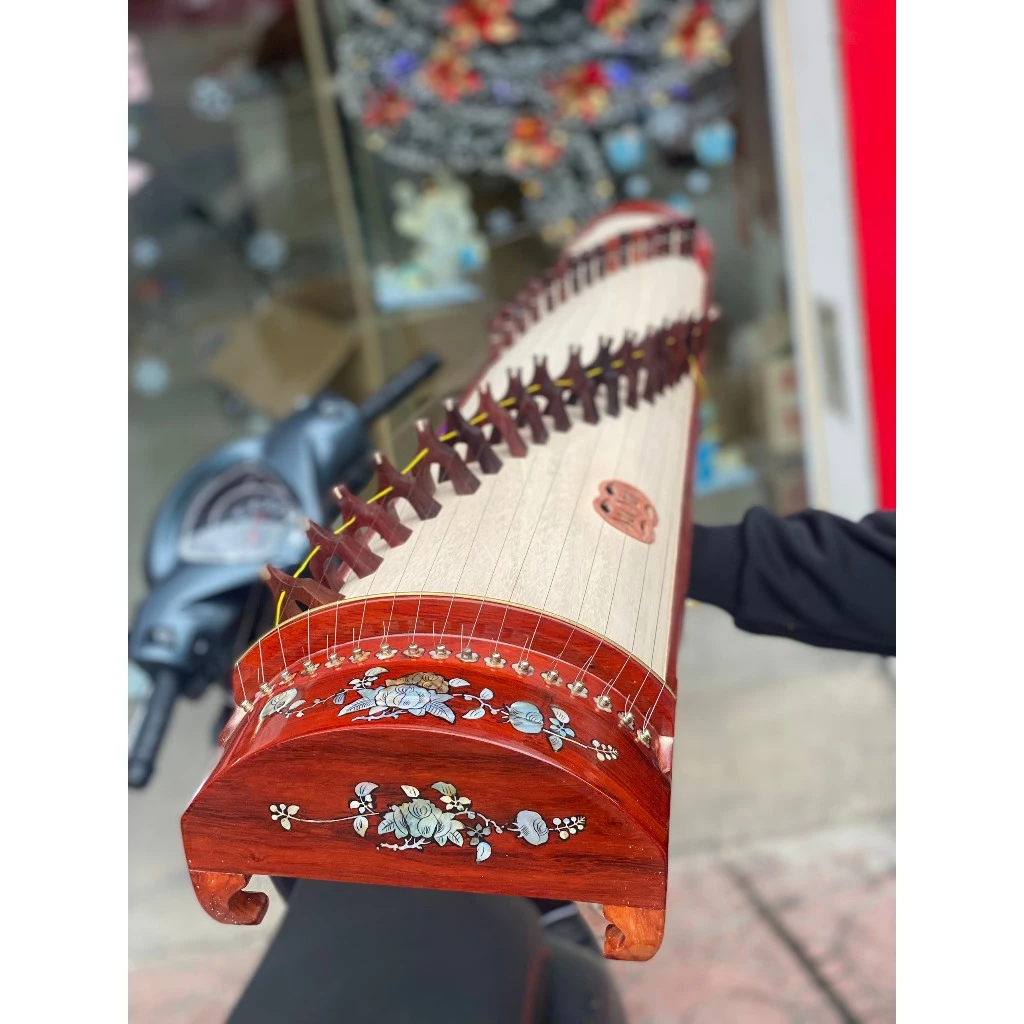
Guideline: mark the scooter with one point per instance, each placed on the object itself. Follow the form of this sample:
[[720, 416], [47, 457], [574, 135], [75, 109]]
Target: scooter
[[239, 508]]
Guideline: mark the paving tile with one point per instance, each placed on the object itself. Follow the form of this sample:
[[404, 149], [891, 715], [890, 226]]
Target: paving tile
[[835, 893], [719, 963], [783, 758], [200, 989]]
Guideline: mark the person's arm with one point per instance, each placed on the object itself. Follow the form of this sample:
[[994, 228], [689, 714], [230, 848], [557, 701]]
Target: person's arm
[[814, 577]]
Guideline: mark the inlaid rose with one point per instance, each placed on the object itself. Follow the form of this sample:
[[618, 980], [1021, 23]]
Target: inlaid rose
[[428, 680], [419, 818], [404, 697]]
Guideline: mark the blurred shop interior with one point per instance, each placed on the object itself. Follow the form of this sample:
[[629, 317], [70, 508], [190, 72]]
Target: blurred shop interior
[[321, 192]]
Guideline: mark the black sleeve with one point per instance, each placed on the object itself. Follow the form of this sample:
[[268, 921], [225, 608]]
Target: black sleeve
[[814, 577]]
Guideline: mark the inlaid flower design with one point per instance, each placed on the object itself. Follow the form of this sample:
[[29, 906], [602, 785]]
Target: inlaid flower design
[[373, 697], [419, 821]]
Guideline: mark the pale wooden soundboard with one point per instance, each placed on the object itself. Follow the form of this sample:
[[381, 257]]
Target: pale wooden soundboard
[[530, 535]]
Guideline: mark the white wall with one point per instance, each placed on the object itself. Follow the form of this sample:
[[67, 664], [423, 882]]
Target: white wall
[[804, 70]]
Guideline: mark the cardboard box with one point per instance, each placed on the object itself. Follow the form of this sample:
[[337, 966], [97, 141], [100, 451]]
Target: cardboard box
[[287, 350]]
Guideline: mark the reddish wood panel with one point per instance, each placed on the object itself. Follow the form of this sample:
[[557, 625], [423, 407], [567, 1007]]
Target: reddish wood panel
[[286, 809]]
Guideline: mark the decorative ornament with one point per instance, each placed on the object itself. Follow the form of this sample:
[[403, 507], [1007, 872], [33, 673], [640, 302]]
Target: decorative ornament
[[150, 376], [714, 144], [624, 149], [400, 66], [145, 252], [531, 144], [210, 99], [500, 223], [680, 202], [440, 220], [696, 35], [480, 21], [449, 75], [138, 175], [668, 125], [267, 251], [619, 73], [698, 182], [385, 108], [636, 186], [582, 92], [612, 17]]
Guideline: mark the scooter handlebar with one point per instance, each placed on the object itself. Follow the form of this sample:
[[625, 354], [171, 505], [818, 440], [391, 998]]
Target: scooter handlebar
[[156, 717], [398, 387]]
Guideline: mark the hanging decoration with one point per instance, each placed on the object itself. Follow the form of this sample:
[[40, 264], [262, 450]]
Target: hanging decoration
[[714, 144], [582, 92], [480, 21], [533, 145], [624, 149], [612, 17], [535, 90], [697, 35], [449, 74]]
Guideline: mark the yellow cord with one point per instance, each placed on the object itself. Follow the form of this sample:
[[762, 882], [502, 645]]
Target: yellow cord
[[595, 371]]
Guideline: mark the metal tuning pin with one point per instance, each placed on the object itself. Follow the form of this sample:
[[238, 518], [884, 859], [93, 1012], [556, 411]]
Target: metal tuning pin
[[439, 652], [603, 702], [551, 677], [468, 655], [522, 668], [358, 655], [246, 706], [626, 719], [386, 651], [334, 660], [374, 517], [478, 450], [644, 736], [414, 650], [309, 667], [495, 660], [416, 487], [577, 689]]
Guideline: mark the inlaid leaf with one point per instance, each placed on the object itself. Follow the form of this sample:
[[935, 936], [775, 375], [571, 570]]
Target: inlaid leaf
[[360, 824], [486, 694], [359, 705], [296, 704], [560, 714], [384, 826], [483, 851], [455, 837], [365, 788], [475, 713], [445, 788], [375, 671], [555, 741], [455, 683], [440, 711], [410, 791]]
